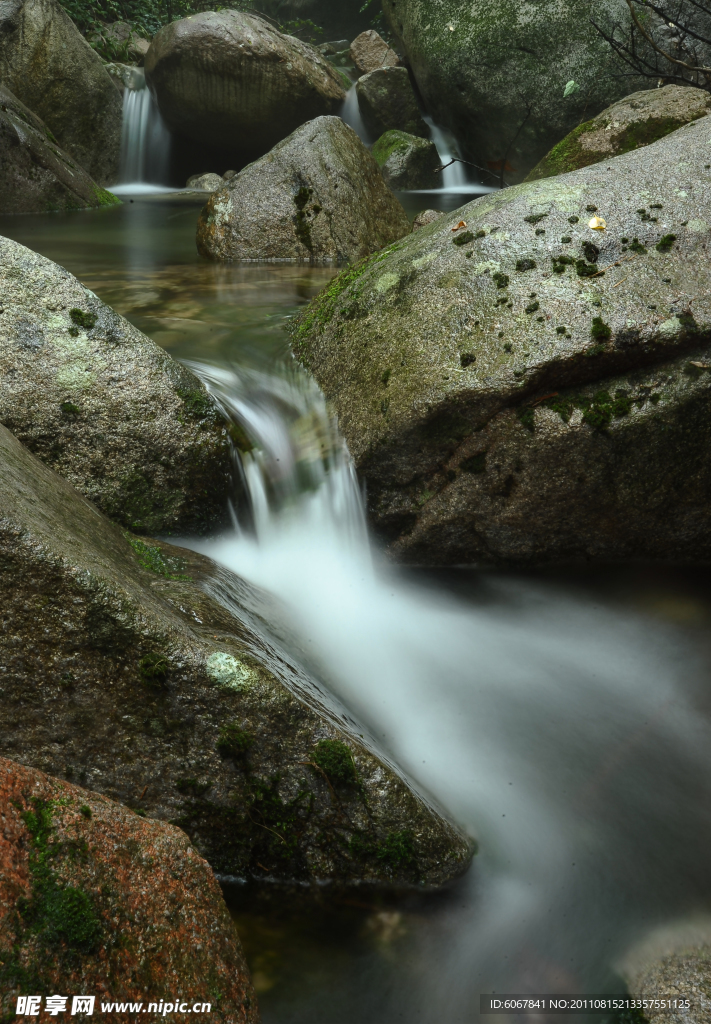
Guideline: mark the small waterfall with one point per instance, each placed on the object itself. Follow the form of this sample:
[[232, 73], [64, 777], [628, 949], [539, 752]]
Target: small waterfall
[[454, 177], [350, 113], [145, 140]]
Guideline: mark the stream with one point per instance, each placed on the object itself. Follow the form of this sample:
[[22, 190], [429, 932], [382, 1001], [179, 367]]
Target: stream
[[562, 717]]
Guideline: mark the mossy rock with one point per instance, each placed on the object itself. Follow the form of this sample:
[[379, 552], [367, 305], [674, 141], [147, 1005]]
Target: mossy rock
[[145, 689], [638, 120], [132, 429], [442, 354], [406, 161]]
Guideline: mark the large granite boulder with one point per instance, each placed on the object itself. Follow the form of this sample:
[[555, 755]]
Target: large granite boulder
[[672, 963], [318, 195], [102, 404], [517, 387], [628, 124], [96, 899], [36, 176], [369, 51], [51, 68], [495, 72], [231, 80], [121, 672], [406, 161], [387, 102]]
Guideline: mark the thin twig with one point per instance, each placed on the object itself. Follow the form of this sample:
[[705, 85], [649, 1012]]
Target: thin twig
[[266, 827]]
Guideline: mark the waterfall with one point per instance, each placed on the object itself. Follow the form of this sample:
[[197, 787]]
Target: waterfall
[[145, 140], [454, 177], [350, 113]]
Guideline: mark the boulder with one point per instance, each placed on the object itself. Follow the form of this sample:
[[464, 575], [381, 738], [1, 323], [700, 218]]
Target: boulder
[[495, 72], [406, 161], [426, 217], [51, 68], [318, 195], [205, 182], [369, 51], [122, 672], [673, 961], [516, 387], [102, 404], [233, 81], [36, 176], [126, 76], [387, 101], [96, 899], [628, 124]]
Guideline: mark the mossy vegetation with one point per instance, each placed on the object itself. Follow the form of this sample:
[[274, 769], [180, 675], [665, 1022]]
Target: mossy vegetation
[[152, 558], [389, 143], [82, 318], [301, 219], [335, 760], [153, 668], [197, 403], [525, 264], [599, 330], [665, 243], [464, 238], [501, 280], [234, 741]]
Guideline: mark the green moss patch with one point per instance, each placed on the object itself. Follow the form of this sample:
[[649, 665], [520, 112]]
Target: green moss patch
[[463, 239], [389, 143], [335, 760], [665, 243], [153, 559], [82, 319], [234, 741]]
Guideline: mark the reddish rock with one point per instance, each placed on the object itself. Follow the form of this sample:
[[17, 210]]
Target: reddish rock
[[96, 900], [369, 51]]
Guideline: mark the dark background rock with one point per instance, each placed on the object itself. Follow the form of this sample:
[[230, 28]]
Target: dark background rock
[[51, 68], [234, 83], [123, 908], [406, 161], [637, 120], [495, 72], [122, 673], [387, 101], [318, 195], [36, 176], [106, 407], [535, 390]]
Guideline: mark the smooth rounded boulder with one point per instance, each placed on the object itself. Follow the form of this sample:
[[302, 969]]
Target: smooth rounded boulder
[[387, 102], [637, 120], [152, 682], [528, 378], [128, 426], [510, 79], [232, 81], [318, 195], [51, 68], [91, 890], [36, 176], [369, 51], [407, 162]]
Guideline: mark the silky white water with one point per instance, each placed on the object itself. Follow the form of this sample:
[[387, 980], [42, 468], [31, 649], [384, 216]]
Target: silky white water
[[145, 140], [562, 734]]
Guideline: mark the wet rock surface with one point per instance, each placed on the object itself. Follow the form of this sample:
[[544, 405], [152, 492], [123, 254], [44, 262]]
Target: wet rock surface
[[637, 120], [36, 176], [495, 73], [426, 217], [406, 161], [102, 404], [147, 674], [50, 68], [318, 195], [369, 51], [232, 81], [387, 101], [518, 388], [205, 182], [95, 899]]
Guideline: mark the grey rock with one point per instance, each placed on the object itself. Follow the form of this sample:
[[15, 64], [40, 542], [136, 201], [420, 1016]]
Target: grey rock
[[635, 121], [672, 962], [387, 101], [36, 176], [426, 217], [406, 161], [233, 81], [103, 405], [535, 390], [331, 49], [228, 175], [205, 182], [369, 51], [150, 691], [318, 195], [52, 69], [126, 76], [494, 72]]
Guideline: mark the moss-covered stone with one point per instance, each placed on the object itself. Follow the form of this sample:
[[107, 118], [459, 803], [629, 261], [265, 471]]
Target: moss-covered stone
[[132, 680], [469, 462], [407, 162], [637, 120]]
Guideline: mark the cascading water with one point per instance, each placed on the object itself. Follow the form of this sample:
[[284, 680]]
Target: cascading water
[[562, 734], [350, 113], [454, 175], [145, 140]]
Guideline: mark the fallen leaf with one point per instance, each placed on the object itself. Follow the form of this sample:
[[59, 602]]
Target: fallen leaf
[[461, 224]]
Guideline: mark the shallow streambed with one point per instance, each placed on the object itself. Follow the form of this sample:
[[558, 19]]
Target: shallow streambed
[[564, 717]]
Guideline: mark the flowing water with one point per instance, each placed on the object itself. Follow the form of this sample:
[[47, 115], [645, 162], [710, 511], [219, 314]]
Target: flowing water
[[145, 139], [563, 719]]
